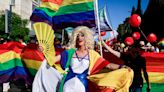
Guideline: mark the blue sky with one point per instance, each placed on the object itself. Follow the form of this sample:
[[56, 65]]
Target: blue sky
[[118, 10]]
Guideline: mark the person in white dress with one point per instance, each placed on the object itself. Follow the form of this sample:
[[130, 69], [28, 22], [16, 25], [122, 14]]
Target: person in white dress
[[81, 60]]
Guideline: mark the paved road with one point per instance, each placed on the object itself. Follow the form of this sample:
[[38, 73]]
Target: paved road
[[17, 86]]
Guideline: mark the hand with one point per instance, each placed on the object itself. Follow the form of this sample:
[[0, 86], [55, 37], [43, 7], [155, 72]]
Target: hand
[[100, 38], [40, 48], [124, 66], [129, 69]]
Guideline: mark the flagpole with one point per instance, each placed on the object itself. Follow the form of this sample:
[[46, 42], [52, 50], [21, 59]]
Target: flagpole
[[143, 33], [62, 36], [97, 22]]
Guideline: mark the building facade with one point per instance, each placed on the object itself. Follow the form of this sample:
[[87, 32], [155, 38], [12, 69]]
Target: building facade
[[23, 8]]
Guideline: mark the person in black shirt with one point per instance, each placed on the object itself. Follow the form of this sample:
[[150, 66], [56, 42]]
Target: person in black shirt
[[133, 59]]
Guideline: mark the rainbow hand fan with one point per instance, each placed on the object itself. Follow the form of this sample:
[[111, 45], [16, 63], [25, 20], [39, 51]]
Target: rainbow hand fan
[[45, 36]]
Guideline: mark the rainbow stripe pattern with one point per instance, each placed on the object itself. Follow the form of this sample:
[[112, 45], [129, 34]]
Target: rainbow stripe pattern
[[65, 13], [11, 67], [32, 60], [155, 69]]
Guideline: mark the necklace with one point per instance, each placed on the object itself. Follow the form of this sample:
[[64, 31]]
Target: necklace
[[80, 58]]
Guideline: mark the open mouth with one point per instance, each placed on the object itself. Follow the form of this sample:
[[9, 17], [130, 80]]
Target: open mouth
[[79, 42]]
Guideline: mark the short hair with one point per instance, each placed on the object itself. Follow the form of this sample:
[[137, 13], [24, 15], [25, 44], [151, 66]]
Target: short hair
[[88, 34]]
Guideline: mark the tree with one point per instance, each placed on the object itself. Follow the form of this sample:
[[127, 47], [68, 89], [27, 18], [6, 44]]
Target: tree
[[2, 22], [18, 27], [124, 30]]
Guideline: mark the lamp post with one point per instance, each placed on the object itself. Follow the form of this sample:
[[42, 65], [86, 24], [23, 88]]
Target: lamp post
[[12, 3]]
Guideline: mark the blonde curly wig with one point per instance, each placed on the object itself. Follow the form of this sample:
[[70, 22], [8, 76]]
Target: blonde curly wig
[[88, 34]]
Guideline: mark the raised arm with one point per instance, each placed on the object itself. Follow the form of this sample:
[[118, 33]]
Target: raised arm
[[57, 58], [116, 53]]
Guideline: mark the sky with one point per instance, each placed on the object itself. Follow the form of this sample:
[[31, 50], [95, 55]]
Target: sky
[[118, 10]]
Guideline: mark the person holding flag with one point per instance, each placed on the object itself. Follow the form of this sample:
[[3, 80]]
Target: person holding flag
[[81, 65], [133, 59]]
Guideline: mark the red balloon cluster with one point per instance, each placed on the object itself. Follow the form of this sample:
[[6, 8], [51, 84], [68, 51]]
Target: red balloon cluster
[[136, 35], [152, 37], [135, 20], [129, 41], [103, 33]]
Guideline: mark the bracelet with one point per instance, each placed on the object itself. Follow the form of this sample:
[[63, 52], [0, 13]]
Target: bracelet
[[102, 42], [120, 66]]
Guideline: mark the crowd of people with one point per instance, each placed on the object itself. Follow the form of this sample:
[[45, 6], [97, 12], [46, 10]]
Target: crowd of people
[[145, 47], [81, 61], [131, 56]]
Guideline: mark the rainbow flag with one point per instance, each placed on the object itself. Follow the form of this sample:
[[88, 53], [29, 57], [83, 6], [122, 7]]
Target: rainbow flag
[[104, 21], [11, 67], [32, 60], [154, 66], [155, 69], [65, 13]]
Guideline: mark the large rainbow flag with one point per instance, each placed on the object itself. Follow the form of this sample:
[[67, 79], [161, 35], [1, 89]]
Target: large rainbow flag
[[16, 63], [155, 69], [65, 13], [32, 59], [11, 67]]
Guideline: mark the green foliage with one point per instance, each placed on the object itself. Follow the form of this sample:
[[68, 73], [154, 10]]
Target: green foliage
[[124, 30], [18, 27], [2, 23]]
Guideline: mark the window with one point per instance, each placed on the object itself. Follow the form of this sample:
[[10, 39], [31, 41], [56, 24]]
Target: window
[[35, 3]]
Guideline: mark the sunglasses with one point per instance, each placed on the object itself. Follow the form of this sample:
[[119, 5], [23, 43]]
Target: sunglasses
[[80, 34]]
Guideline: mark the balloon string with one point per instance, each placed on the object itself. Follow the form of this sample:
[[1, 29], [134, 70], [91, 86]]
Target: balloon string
[[143, 33]]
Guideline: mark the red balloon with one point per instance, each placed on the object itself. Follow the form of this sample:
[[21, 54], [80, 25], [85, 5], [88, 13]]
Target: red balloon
[[152, 37], [129, 41], [103, 33], [135, 20], [136, 35]]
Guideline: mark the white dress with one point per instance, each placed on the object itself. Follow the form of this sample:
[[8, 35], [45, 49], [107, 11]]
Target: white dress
[[47, 78], [78, 67]]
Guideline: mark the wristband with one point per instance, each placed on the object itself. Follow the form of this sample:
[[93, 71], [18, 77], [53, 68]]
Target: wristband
[[102, 42], [120, 66]]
